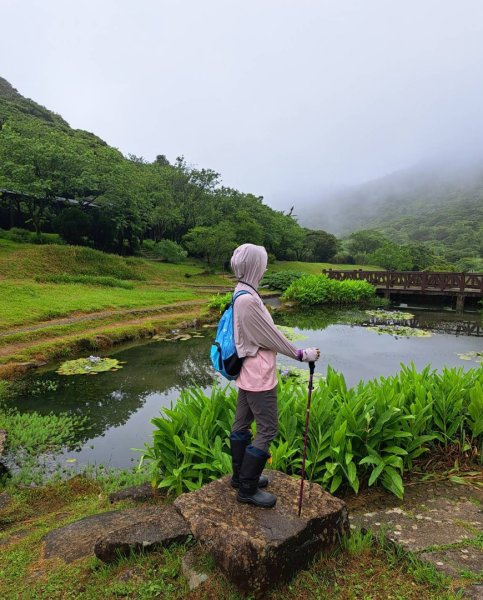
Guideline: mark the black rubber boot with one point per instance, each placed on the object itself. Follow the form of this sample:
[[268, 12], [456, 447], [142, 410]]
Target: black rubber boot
[[239, 441], [250, 471]]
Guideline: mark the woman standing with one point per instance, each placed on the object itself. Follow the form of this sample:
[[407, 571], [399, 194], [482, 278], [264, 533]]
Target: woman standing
[[257, 340]]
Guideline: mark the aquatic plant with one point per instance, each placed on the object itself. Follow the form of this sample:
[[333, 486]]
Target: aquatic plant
[[297, 374], [311, 290], [291, 334], [34, 434], [366, 435], [89, 366], [175, 336], [471, 355], [400, 330], [41, 386], [389, 315]]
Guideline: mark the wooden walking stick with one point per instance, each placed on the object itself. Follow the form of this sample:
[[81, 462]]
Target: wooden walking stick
[[307, 418]]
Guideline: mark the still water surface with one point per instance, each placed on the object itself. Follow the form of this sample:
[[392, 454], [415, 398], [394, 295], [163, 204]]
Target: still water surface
[[120, 405]]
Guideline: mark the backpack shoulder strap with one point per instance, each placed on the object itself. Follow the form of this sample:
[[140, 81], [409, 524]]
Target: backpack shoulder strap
[[240, 293]]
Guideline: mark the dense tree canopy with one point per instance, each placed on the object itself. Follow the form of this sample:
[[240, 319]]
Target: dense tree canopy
[[119, 201]]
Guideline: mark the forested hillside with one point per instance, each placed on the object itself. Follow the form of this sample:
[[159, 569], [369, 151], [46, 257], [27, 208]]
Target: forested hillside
[[438, 205], [54, 179]]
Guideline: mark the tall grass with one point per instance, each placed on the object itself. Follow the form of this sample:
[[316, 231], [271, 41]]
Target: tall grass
[[361, 436]]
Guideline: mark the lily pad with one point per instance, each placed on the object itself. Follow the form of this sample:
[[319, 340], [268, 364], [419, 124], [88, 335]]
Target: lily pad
[[472, 355], [400, 331], [297, 374], [390, 315], [291, 334], [89, 366]]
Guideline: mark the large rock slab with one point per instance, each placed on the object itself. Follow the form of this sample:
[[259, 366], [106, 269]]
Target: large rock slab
[[78, 540], [159, 527], [439, 521], [258, 548]]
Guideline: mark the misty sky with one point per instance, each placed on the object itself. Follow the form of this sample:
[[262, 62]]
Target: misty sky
[[283, 97]]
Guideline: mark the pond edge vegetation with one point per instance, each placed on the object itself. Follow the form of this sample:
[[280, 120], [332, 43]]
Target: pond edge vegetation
[[373, 433]]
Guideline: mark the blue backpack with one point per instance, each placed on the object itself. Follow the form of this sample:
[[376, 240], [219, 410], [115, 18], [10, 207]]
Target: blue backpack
[[224, 357]]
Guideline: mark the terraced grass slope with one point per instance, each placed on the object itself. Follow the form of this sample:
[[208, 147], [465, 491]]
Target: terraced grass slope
[[55, 299]]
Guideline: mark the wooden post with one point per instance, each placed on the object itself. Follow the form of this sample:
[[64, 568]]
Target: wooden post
[[424, 281], [460, 303]]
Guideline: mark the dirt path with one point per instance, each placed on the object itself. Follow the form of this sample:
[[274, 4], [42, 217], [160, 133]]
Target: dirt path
[[80, 318]]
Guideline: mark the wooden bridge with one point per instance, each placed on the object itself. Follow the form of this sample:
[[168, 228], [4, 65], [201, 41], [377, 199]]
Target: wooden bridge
[[459, 285]]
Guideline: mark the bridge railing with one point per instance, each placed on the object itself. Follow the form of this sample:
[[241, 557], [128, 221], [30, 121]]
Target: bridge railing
[[442, 281]]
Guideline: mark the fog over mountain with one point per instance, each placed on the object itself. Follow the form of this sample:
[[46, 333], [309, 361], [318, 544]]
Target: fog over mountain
[[418, 194], [285, 99]]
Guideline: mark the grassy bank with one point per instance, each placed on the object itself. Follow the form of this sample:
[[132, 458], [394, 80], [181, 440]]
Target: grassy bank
[[60, 300], [361, 570], [315, 268]]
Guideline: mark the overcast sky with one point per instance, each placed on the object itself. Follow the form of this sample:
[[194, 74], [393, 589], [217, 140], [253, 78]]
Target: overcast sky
[[283, 97]]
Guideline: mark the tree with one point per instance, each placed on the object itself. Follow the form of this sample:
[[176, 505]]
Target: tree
[[74, 225], [392, 256], [366, 241], [214, 244], [321, 245]]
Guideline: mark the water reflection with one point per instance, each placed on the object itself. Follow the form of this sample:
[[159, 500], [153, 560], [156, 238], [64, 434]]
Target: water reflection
[[443, 322], [154, 372]]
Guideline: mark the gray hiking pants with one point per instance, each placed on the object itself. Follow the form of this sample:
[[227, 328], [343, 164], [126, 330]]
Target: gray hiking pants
[[260, 407]]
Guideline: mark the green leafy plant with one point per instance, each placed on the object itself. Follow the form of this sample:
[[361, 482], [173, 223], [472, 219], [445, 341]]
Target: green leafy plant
[[219, 302], [362, 436], [281, 280], [312, 290]]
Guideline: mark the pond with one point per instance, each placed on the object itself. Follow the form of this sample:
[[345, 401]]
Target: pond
[[121, 404]]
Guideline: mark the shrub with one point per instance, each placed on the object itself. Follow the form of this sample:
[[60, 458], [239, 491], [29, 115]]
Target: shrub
[[220, 301], [24, 236], [166, 250], [359, 436], [281, 280], [311, 290]]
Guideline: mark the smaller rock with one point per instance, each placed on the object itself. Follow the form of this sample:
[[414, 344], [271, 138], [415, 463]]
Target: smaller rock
[[157, 527], [191, 570], [137, 493], [129, 575]]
